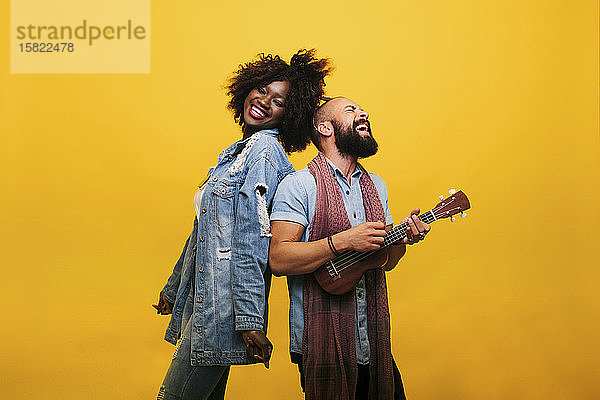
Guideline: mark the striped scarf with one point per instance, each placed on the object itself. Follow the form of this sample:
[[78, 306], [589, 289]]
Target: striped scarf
[[328, 342]]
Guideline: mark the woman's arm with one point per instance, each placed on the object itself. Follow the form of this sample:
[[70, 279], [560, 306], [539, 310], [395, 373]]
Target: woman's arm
[[249, 255], [166, 297], [250, 244]]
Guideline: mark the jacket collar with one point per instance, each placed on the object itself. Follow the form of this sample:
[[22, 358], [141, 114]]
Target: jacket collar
[[240, 144]]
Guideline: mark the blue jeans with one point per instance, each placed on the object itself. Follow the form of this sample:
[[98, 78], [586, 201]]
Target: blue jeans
[[186, 382]]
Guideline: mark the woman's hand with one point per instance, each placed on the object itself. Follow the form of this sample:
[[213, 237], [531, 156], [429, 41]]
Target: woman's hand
[[258, 346], [163, 307]]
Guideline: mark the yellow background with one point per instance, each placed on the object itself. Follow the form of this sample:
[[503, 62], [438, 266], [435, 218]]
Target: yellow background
[[499, 99]]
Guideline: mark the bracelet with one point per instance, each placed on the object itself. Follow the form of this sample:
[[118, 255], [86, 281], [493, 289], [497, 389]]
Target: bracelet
[[331, 246]]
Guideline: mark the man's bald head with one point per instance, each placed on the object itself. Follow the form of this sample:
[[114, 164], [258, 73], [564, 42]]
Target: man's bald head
[[327, 110]]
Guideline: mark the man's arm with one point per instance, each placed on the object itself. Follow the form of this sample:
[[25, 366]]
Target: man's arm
[[289, 256]]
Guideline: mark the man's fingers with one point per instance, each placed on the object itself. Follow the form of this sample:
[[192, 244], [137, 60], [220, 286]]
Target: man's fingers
[[418, 224], [378, 240], [421, 226], [376, 224], [412, 226], [411, 237], [378, 232]]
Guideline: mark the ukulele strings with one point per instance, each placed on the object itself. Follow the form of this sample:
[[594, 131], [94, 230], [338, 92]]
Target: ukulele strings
[[355, 256]]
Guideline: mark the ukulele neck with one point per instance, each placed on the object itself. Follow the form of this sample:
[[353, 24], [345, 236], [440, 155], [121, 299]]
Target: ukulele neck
[[398, 232]]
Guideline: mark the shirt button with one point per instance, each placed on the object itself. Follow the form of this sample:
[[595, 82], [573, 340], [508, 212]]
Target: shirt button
[[199, 299], [203, 210], [200, 269], [347, 192], [215, 179], [202, 238], [199, 330], [223, 191]]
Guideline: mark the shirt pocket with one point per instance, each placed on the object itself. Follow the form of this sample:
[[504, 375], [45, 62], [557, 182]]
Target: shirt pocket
[[224, 194]]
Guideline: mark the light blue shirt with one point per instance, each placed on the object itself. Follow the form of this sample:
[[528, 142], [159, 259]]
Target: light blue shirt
[[295, 201]]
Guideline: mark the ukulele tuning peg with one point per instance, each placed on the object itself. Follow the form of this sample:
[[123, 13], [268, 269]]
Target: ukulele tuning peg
[[441, 197], [452, 191], [463, 215], [452, 219]]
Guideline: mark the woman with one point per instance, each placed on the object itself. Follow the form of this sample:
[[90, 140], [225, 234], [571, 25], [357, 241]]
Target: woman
[[218, 290]]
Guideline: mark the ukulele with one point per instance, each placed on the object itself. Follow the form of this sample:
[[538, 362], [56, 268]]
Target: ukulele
[[340, 275]]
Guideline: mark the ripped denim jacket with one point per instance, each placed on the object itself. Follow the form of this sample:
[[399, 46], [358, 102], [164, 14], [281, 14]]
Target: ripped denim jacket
[[221, 279]]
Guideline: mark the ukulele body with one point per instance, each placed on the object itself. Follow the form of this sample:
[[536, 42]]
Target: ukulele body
[[328, 275]]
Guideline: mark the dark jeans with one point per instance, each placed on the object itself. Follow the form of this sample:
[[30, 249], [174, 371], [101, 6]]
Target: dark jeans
[[186, 382], [362, 384]]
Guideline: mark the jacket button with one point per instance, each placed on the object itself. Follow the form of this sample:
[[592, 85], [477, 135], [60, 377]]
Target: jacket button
[[203, 210], [202, 238], [201, 269], [223, 191], [215, 179], [199, 299], [199, 330]]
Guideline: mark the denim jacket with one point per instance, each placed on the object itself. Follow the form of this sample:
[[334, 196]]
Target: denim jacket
[[221, 279]]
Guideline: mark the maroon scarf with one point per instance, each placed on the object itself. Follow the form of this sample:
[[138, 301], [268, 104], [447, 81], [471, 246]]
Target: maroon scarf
[[328, 341]]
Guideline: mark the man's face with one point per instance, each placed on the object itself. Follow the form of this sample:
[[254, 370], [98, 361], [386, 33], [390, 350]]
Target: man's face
[[352, 129]]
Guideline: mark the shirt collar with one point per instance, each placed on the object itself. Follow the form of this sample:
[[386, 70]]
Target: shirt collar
[[336, 171]]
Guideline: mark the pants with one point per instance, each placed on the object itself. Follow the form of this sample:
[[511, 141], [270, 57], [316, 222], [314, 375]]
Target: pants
[[186, 382], [362, 384]]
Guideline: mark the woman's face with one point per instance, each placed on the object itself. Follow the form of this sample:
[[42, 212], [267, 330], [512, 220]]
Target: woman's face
[[264, 106]]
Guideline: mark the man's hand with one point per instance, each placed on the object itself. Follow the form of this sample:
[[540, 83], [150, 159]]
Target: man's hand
[[416, 230], [258, 346], [364, 237], [163, 307]]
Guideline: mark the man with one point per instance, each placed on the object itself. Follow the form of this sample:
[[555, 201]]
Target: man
[[341, 343]]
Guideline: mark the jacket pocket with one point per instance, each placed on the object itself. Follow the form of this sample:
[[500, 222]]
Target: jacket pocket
[[223, 195]]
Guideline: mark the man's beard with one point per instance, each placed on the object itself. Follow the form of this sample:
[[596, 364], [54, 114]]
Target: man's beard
[[350, 143]]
